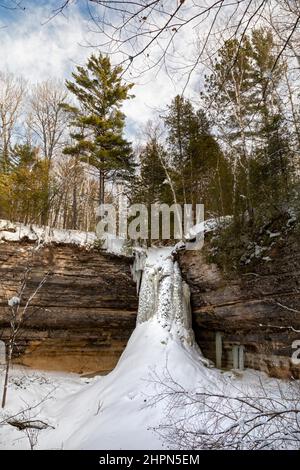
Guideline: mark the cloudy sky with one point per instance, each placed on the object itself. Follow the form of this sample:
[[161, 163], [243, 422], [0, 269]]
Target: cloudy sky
[[38, 48]]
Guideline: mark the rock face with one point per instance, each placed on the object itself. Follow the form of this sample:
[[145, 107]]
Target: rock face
[[81, 318], [257, 313]]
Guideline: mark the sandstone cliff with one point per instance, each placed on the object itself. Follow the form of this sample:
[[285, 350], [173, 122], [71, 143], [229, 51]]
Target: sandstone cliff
[[259, 310], [82, 317]]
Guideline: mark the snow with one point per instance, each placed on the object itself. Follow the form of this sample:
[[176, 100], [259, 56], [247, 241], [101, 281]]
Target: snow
[[14, 231], [206, 226], [113, 244], [40, 391], [13, 301], [124, 409], [273, 234]]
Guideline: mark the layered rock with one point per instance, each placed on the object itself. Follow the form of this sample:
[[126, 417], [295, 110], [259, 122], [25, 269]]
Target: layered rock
[[259, 310], [82, 316]]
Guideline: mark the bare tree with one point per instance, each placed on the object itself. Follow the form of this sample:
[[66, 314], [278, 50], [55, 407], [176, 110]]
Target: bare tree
[[159, 32], [48, 123], [12, 91], [75, 200], [27, 420], [225, 416], [12, 4], [46, 118], [18, 313]]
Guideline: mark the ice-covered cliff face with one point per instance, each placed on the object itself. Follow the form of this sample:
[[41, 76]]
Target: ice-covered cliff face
[[164, 296]]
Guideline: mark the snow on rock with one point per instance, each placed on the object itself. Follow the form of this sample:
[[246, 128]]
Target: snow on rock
[[207, 226], [14, 231], [13, 301]]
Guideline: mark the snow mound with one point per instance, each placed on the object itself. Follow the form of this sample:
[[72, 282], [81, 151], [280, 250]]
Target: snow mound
[[117, 411]]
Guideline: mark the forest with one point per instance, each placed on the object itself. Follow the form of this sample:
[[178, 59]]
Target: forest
[[235, 149], [241, 162], [146, 343]]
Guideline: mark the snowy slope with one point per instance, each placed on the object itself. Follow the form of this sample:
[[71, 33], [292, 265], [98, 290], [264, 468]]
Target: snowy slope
[[114, 411], [124, 409]]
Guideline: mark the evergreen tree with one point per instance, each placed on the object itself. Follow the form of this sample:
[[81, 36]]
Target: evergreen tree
[[151, 185], [271, 169], [98, 120], [195, 156], [243, 92]]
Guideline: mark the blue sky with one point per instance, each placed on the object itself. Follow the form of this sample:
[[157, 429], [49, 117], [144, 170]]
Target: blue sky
[[37, 49]]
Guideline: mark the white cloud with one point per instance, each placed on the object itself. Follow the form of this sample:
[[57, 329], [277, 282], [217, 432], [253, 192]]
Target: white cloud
[[38, 50]]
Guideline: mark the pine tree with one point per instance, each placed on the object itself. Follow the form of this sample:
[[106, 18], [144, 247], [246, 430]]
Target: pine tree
[[195, 156], [98, 120], [151, 186], [243, 91]]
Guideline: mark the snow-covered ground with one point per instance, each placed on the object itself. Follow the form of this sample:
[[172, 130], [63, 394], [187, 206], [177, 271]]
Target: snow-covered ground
[[119, 411], [157, 378], [32, 395]]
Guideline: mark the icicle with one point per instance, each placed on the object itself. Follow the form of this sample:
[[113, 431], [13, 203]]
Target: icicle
[[165, 296], [138, 267]]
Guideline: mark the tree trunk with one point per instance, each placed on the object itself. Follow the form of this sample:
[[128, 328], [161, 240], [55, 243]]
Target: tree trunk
[[8, 361], [101, 186], [74, 208]]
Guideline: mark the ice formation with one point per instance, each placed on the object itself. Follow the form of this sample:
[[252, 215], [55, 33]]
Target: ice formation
[[165, 297], [162, 340]]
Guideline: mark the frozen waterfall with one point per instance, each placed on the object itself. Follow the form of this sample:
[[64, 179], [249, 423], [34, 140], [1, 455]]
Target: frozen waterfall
[[165, 297], [162, 345]]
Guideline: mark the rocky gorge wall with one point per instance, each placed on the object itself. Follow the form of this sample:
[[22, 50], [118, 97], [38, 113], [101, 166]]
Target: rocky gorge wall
[[258, 310], [82, 317]]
